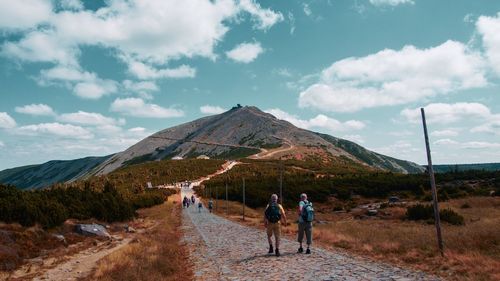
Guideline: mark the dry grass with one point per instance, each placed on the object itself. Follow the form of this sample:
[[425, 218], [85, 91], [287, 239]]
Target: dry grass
[[472, 252], [154, 255]]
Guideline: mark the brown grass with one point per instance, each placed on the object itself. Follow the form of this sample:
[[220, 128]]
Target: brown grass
[[154, 255], [472, 252]]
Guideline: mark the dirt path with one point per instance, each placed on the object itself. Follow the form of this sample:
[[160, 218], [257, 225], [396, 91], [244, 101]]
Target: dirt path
[[73, 267], [224, 250], [268, 153]]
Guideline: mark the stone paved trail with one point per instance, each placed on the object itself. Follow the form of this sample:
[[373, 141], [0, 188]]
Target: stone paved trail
[[224, 250]]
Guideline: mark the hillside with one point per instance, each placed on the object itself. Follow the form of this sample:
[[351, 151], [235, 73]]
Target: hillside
[[246, 131], [238, 133], [38, 176], [465, 167]]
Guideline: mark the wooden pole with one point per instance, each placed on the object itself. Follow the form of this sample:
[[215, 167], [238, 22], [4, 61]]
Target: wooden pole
[[281, 182], [430, 169], [216, 199], [227, 206], [243, 198]]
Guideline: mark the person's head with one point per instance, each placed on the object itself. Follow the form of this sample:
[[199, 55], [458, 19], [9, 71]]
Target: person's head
[[274, 198], [303, 197]]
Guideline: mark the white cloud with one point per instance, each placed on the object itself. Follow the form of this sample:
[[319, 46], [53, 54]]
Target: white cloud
[[95, 89], [89, 118], [36, 109], [491, 126], [144, 71], [285, 72], [55, 129], [445, 113], [391, 2], [445, 142], [489, 29], [354, 138], [71, 5], [138, 108], [245, 52], [307, 9], [6, 122], [264, 18], [137, 130], [444, 133], [24, 14], [147, 35], [140, 86], [320, 121], [211, 109], [392, 77]]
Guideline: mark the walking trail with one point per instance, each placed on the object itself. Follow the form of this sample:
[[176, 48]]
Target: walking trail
[[224, 250]]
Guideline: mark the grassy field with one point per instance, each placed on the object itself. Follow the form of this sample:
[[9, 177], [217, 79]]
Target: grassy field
[[155, 255], [472, 251]]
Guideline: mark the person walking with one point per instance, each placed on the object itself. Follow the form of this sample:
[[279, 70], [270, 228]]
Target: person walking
[[210, 205], [273, 216], [200, 205], [306, 217]]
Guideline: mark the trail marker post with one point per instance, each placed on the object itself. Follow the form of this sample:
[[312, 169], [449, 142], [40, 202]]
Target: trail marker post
[[430, 169], [216, 199], [226, 202], [243, 198]]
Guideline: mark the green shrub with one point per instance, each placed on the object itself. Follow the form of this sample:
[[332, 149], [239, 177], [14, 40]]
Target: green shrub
[[426, 212]]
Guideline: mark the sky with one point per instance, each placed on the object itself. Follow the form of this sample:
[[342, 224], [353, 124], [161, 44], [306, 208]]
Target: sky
[[91, 78]]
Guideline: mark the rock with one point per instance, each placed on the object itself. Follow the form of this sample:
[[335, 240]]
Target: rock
[[60, 238], [130, 229], [92, 230], [372, 212]]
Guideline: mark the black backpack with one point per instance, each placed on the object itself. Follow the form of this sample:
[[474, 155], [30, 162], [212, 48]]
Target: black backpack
[[273, 213]]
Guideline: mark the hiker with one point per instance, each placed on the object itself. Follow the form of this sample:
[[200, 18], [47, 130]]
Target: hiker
[[306, 216], [210, 205], [200, 206], [184, 202], [273, 216], [192, 199]]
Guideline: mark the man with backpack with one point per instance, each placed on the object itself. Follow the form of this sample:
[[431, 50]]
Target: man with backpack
[[306, 217], [273, 216]]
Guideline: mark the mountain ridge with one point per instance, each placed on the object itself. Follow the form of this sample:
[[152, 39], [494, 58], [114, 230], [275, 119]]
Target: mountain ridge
[[237, 133]]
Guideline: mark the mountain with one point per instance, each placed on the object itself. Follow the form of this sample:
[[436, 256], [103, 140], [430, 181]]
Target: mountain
[[237, 133], [42, 175], [249, 132], [443, 168]]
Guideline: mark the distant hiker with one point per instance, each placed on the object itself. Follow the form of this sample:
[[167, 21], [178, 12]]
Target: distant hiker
[[184, 202], [200, 206], [273, 215], [210, 205], [193, 199], [306, 216]]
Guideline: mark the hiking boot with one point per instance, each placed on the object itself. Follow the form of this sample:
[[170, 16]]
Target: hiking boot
[[300, 250], [308, 251], [277, 252], [271, 249]]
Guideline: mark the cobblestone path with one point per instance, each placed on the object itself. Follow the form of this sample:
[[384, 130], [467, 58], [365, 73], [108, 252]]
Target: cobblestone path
[[224, 250]]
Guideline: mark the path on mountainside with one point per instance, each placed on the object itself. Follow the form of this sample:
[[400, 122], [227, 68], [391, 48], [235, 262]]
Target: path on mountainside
[[264, 153], [224, 250]]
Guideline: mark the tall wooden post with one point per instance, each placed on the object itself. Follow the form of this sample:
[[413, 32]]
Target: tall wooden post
[[281, 182], [227, 206], [430, 169], [243, 198], [216, 199]]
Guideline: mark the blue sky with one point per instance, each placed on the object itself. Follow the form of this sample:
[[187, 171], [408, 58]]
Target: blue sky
[[82, 78]]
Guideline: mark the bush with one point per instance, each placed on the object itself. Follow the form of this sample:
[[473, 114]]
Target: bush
[[451, 217], [465, 206], [426, 212]]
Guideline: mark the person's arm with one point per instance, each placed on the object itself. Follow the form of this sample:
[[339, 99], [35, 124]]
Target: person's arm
[[283, 215]]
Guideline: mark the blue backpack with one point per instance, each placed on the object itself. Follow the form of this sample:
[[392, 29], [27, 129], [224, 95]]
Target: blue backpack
[[307, 212]]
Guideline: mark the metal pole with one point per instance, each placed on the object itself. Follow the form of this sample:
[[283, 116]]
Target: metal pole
[[226, 201], [433, 186], [243, 198]]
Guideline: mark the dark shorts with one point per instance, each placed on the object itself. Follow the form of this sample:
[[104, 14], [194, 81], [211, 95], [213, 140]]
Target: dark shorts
[[305, 227]]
